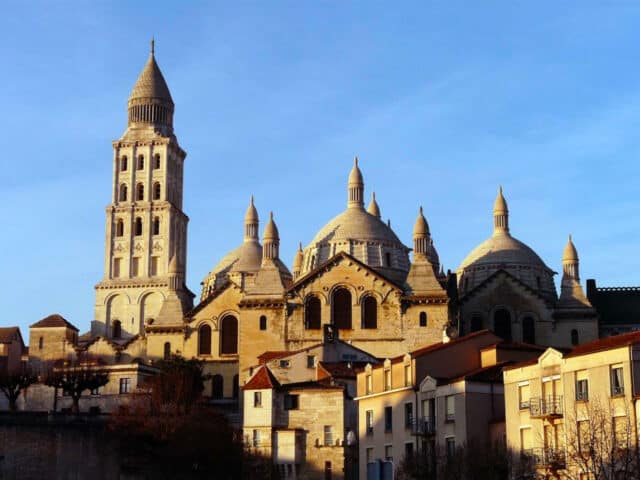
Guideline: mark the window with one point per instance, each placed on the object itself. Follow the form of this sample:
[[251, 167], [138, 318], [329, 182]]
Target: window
[[582, 386], [156, 226], [123, 193], [116, 267], [123, 164], [285, 363], [154, 266], [387, 379], [369, 386], [157, 190], [408, 415], [217, 386], [388, 453], [135, 266], [116, 331], [328, 436], [263, 322], [387, 259], [229, 335], [476, 323], [524, 396], [291, 402], [583, 436], [156, 161], [140, 162], [341, 304], [574, 337], [450, 405], [257, 399], [408, 451], [204, 340], [140, 191], [621, 432], [617, 381], [369, 421], [95, 391], [236, 386], [528, 330], [256, 438], [311, 361], [138, 227], [312, 319], [502, 324], [328, 475], [370, 313], [119, 228], [40, 343], [125, 385], [167, 351], [451, 446], [388, 419], [423, 319], [369, 455], [407, 376]]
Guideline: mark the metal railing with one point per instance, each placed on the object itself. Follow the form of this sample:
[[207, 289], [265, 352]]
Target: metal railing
[[423, 426], [549, 406], [553, 458]]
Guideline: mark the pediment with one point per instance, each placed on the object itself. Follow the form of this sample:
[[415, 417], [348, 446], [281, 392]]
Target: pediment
[[502, 285], [227, 297], [550, 357]]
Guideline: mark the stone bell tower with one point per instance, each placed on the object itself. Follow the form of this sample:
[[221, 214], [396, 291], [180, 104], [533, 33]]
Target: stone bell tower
[[146, 229]]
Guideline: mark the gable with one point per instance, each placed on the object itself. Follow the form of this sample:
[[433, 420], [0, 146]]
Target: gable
[[227, 298], [502, 288]]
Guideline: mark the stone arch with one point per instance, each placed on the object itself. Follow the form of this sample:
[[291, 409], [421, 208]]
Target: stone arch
[[312, 312], [342, 308], [150, 304], [229, 335], [351, 288], [117, 309]]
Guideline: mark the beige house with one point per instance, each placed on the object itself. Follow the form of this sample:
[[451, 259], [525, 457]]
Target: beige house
[[435, 399], [11, 349], [566, 413]]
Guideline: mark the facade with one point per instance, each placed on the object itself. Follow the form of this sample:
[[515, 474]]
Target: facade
[[569, 413], [11, 349], [618, 308]]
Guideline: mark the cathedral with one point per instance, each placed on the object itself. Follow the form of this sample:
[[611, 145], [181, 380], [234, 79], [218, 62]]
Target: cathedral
[[356, 280]]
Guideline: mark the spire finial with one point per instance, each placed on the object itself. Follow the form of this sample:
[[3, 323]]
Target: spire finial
[[355, 161], [500, 189], [271, 215], [300, 246], [153, 46], [421, 213]]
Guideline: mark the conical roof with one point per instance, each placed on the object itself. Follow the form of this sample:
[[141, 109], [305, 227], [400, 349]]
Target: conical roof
[[570, 254], [355, 176], [374, 208], [500, 205], [151, 83], [252, 214], [421, 227], [271, 230], [298, 259]]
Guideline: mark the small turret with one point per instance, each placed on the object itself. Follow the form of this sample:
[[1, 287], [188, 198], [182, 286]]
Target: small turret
[[297, 262], [356, 187], [421, 238], [251, 223], [500, 215], [571, 293], [270, 240], [373, 207]]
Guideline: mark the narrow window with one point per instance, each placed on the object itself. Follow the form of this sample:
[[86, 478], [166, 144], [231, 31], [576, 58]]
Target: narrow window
[[125, 385], [370, 313], [135, 266], [328, 475], [450, 404], [617, 381], [369, 422], [236, 386], [387, 379], [408, 415], [157, 189], [451, 447], [140, 192], [328, 435], [502, 324], [167, 351], [407, 376], [229, 335], [116, 267], [119, 228], [312, 315], [476, 323], [257, 399], [156, 161], [140, 162], [263, 322], [40, 343], [582, 386], [528, 330], [204, 340], [123, 193], [574, 337], [138, 227], [408, 451], [388, 419], [423, 319], [217, 386], [369, 380], [256, 438], [388, 453], [156, 226], [116, 331], [123, 164], [524, 395], [154, 266], [341, 304]]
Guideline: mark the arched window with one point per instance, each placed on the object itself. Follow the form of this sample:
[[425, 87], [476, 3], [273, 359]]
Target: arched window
[[116, 330], [40, 343], [140, 162], [387, 258], [140, 192], [156, 226], [263, 322], [312, 315], [204, 340], [167, 351], [123, 164], [217, 386], [423, 319], [156, 191], [370, 313], [476, 323], [123, 193], [138, 229], [575, 339], [119, 228], [528, 330], [156, 161], [229, 335], [341, 310], [502, 324], [236, 386]]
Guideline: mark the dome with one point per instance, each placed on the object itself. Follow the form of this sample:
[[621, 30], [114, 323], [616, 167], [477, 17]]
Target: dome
[[271, 230], [502, 249], [421, 226], [355, 177], [570, 254], [355, 224], [251, 216], [151, 83]]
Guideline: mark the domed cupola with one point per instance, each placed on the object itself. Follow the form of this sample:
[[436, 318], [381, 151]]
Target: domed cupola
[[150, 103], [359, 233], [374, 208], [501, 251]]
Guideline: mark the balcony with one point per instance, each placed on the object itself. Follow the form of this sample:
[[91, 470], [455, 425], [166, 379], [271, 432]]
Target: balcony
[[544, 407], [549, 458], [423, 426]]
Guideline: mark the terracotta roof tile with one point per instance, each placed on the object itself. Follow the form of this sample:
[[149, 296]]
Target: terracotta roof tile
[[8, 334], [615, 341], [54, 320], [263, 379]]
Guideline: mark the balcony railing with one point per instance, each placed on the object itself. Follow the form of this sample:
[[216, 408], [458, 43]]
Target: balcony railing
[[550, 406], [551, 458], [423, 426]]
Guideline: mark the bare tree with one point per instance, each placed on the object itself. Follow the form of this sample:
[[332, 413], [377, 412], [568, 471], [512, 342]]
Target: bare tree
[[75, 377], [13, 383]]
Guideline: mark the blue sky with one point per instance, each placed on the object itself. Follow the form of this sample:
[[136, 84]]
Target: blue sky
[[441, 101]]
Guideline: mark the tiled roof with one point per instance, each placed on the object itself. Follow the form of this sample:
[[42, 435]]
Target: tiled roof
[[54, 320], [342, 369], [7, 334], [272, 355], [439, 346], [263, 379], [615, 341]]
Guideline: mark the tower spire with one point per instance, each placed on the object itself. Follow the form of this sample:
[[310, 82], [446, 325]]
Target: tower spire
[[251, 223], [271, 240], [374, 208], [153, 46], [500, 215], [420, 235], [356, 186]]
